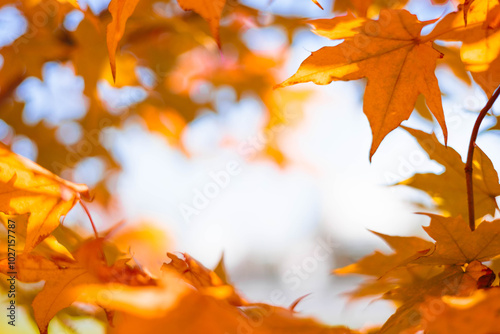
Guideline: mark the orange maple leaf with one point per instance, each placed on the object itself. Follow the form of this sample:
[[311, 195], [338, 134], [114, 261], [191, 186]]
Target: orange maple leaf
[[210, 10], [29, 188], [398, 65], [202, 278], [65, 278], [457, 244], [120, 11]]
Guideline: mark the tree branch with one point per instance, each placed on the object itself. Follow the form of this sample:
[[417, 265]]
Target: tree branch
[[470, 155]]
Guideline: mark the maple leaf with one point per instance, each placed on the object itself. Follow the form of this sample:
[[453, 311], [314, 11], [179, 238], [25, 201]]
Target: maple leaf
[[361, 7], [478, 313], [410, 274], [339, 27], [457, 244], [29, 188], [182, 303], [448, 189], [210, 10], [203, 279], [480, 49], [47, 247], [386, 270], [398, 66], [64, 278], [120, 11], [74, 3], [452, 60], [145, 242], [453, 280], [283, 320], [378, 264]]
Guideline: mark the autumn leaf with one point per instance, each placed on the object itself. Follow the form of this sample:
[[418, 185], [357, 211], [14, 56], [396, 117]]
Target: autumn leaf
[[448, 189], [63, 278], [283, 320], [480, 40], [452, 281], [29, 188], [478, 313], [166, 56], [181, 302], [339, 27], [378, 264], [210, 10], [220, 270], [417, 270], [457, 244], [451, 59], [361, 7], [74, 3], [145, 242], [120, 11], [202, 278], [398, 66], [19, 225]]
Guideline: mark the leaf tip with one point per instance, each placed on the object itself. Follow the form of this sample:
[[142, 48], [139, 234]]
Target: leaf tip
[[113, 72], [318, 4], [297, 301]]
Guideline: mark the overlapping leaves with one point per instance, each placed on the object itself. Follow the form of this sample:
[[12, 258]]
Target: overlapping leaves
[[398, 62], [419, 271]]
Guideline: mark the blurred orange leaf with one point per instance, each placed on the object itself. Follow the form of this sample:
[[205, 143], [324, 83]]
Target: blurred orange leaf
[[120, 11], [29, 188], [64, 277], [210, 10]]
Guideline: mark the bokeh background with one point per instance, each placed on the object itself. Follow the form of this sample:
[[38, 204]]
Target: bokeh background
[[296, 194]]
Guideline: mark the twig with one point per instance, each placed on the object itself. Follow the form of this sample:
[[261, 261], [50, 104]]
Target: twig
[[470, 155]]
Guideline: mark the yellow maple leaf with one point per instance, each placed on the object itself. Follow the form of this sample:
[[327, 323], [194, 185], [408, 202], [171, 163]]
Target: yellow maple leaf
[[480, 49], [19, 224], [448, 189], [339, 27], [27, 187], [398, 66]]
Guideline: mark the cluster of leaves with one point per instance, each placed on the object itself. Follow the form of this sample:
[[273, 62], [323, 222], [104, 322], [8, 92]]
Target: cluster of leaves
[[440, 287], [445, 286], [175, 51], [184, 297]]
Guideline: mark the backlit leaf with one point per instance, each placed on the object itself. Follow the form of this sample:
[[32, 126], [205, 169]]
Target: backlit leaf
[[399, 68]]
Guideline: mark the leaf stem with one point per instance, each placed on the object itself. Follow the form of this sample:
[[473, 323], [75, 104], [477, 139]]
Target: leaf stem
[[90, 218], [470, 156]]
